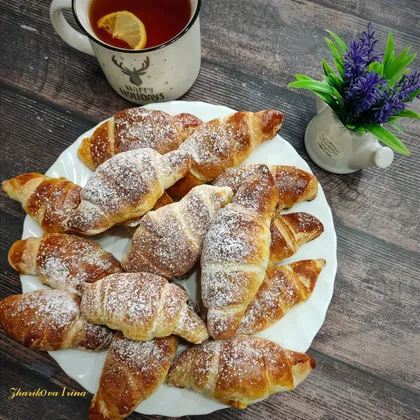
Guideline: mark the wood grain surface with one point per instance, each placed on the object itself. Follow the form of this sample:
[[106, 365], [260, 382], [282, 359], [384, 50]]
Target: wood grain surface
[[368, 350]]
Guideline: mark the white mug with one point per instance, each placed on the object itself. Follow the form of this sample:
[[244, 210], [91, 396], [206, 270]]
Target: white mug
[[161, 73]]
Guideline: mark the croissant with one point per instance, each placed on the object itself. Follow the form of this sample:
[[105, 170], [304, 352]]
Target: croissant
[[50, 201], [236, 253], [225, 142], [164, 200], [239, 371], [132, 372], [143, 306], [282, 289], [294, 185], [51, 320], [289, 231], [63, 261], [125, 187], [136, 128], [168, 241]]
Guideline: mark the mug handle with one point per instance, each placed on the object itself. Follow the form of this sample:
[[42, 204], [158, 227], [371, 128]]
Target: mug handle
[[65, 31]]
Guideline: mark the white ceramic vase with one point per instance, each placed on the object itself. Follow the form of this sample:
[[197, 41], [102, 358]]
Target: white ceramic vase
[[335, 148]]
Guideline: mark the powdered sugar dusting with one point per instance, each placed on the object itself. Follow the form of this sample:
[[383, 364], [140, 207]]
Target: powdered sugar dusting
[[141, 305], [168, 241], [123, 187], [218, 144], [234, 177], [126, 302], [95, 337], [236, 252], [259, 193], [205, 365], [229, 242], [135, 301], [126, 187], [275, 297], [223, 285], [293, 184], [51, 320], [200, 208], [303, 223], [88, 218], [138, 128], [57, 207], [241, 360], [141, 356], [172, 303], [283, 287], [52, 202], [123, 180], [135, 370], [241, 369], [230, 238], [67, 262], [52, 309], [190, 326]]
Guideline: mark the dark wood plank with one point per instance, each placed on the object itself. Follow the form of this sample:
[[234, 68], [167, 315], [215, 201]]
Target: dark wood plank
[[47, 126], [389, 14], [371, 322]]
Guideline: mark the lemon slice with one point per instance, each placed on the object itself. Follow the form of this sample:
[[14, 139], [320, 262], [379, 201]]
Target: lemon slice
[[125, 26]]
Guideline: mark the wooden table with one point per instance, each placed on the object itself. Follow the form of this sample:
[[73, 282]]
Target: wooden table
[[368, 351]]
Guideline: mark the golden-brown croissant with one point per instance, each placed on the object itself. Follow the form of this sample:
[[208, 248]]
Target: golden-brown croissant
[[236, 252], [168, 241], [294, 185], [239, 371], [132, 372], [283, 288], [125, 187], [51, 320], [289, 231], [50, 201], [164, 200], [143, 306], [136, 128], [63, 261], [225, 142]]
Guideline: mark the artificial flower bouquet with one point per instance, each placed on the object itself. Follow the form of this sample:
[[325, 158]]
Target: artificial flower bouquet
[[369, 90]]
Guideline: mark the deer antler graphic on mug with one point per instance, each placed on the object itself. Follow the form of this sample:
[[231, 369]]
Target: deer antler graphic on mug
[[135, 73]]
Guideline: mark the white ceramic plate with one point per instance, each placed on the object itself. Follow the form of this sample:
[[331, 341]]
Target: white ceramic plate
[[295, 331]]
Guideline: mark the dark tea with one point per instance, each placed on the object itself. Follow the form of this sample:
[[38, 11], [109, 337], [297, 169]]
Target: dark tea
[[163, 19]]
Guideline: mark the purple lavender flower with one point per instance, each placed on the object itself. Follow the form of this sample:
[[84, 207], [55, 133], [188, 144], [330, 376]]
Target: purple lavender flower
[[409, 84], [371, 90], [393, 100], [362, 89], [359, 55], [368, 42], [364, 92]]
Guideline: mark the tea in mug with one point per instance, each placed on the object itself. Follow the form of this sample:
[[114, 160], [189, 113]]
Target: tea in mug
[[162, 19]]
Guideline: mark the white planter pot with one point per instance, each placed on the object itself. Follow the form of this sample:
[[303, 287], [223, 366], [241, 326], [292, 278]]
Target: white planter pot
[[335, 148]]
